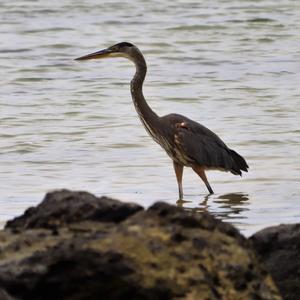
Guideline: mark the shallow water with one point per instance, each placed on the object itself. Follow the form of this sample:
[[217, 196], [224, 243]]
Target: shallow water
[[231, 65]]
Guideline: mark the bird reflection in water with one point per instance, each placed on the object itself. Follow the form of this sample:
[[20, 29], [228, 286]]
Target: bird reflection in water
[[228, 206]]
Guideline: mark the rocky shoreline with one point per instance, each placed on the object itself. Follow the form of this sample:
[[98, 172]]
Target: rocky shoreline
[[76, 246]]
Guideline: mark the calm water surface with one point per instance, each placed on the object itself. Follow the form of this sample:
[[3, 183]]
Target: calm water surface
[[232, 65]]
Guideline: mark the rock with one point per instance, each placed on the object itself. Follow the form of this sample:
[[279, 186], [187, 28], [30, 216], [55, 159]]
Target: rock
[[64, 207], [279, 249], [4, 295], [69, 247]]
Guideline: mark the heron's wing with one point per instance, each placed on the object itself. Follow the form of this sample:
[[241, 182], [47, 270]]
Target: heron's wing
[[204, 147]]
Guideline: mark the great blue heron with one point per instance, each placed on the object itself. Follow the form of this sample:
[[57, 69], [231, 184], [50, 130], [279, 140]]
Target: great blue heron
[[188, 143]]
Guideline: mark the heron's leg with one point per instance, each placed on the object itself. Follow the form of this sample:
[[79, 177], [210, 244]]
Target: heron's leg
[[178, 171], [200, 171]]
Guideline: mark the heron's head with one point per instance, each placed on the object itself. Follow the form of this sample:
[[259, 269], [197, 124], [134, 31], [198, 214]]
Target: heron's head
[[123, 49]]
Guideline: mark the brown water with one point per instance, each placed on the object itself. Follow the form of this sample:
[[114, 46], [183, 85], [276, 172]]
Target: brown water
[[231, 65]]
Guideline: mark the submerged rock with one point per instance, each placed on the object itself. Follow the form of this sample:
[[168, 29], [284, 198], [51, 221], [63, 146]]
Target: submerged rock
[[279, 249], [76, 246]]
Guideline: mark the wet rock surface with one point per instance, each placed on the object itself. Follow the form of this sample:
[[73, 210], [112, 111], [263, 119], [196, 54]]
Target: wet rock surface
[[279, 250], [77, 246]]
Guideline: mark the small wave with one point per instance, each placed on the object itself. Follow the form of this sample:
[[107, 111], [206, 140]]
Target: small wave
[[260, 20], [4, 51]]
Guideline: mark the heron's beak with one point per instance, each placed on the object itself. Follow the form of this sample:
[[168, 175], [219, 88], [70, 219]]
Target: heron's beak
[[99, 54]]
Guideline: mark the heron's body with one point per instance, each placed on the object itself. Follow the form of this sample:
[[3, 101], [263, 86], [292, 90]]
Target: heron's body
[[188, 143]]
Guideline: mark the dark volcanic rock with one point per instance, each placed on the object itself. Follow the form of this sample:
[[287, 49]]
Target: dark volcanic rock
[[4, 295], [100, 253], [279, 249], [64, 207]]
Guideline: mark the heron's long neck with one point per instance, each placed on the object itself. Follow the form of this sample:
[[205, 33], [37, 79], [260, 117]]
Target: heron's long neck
[[147, 115]]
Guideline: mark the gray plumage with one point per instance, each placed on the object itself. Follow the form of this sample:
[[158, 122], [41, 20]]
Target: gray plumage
[[188, 143]]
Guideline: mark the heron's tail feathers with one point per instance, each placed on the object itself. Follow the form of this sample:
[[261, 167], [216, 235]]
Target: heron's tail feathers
[[239, 163]]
